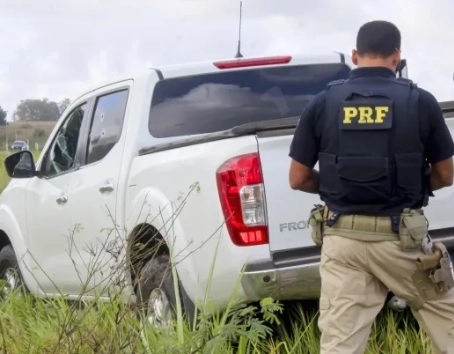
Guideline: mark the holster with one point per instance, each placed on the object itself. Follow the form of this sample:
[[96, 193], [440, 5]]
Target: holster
[[316, 221], [439, 267]]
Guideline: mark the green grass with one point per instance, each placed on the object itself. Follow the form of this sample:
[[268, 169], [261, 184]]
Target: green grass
[[4, 179], [31, 325]]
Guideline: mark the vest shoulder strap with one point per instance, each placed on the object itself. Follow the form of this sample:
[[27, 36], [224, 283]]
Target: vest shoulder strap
[[335, 83], [405, 81]]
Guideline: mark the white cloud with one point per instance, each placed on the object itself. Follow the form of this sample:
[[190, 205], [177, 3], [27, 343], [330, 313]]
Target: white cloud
[[58, 48], [98, 67]]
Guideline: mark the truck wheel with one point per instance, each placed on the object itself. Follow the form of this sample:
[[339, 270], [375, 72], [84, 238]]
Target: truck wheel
[[156, 293], [10, 273]]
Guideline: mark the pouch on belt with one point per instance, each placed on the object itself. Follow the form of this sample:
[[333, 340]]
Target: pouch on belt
[[412, 229], [316, 221]]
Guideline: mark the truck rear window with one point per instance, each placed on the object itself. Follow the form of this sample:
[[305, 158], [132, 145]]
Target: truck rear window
[[213, 102]]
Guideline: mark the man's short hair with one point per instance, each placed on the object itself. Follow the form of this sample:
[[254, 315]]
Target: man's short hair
[[378, 38]]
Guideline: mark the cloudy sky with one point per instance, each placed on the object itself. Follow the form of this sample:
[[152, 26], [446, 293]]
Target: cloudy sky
[[55, 48]]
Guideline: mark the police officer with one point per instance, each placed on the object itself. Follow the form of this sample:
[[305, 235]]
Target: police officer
[[383, 146]]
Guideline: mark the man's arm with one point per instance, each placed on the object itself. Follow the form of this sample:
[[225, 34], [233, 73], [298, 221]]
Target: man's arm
[[442, 174], [439, 145], [304, 149], [304, 178]]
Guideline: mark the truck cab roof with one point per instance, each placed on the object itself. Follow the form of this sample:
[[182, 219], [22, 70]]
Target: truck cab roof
[[217, 65], [202, 67]]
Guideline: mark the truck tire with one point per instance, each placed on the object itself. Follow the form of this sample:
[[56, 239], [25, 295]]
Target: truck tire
[[156, 293], [10, 272]]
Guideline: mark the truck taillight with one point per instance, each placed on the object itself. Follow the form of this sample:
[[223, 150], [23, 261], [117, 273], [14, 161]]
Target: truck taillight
[[242, 197]]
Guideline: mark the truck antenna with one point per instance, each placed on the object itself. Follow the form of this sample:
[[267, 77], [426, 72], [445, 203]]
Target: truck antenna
[[238, 53]]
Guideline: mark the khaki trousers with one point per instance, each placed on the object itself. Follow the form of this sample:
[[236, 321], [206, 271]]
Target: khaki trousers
[[356, 276]]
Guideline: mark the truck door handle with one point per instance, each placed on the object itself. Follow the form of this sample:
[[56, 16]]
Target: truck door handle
[[62, 199], [106, 188]]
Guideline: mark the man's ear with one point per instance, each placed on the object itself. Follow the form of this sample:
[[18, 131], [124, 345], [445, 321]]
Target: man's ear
[[396, 58], [355, 57]]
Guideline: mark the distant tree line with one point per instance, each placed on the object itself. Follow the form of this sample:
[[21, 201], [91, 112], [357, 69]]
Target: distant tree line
[[3, 114], [37, 110]]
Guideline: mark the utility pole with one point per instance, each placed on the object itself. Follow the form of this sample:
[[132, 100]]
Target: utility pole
[[6, 133]]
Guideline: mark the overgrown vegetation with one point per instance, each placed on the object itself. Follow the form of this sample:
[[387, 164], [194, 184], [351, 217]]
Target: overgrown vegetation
[[32, 325], [28, 325]]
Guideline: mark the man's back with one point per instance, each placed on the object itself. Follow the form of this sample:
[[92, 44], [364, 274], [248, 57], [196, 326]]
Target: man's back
[[370, 147], [383, 146]]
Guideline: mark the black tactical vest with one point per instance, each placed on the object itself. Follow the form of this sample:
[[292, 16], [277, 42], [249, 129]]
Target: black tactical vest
[[371, 159]]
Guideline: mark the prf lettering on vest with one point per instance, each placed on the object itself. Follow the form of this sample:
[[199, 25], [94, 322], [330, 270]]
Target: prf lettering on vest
[[365, 114]]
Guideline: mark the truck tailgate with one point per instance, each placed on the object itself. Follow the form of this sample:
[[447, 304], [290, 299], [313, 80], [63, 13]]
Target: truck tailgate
[[287, 209]]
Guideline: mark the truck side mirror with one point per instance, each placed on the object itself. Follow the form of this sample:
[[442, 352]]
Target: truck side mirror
[[20, 165]]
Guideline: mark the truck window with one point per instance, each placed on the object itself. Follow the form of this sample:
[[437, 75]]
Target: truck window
[[217, 101], [107, 124], [61, 156]]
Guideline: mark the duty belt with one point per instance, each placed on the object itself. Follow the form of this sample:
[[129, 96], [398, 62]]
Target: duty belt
[[357, 222], [372, 228]]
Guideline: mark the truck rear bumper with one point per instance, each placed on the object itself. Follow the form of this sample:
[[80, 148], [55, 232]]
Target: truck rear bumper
[[294, 275], [285, 279]]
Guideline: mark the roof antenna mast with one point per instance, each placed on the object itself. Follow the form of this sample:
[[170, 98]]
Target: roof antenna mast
[[238, 53]]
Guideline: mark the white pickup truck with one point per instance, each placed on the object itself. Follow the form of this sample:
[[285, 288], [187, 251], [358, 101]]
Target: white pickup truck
[[190, 160]]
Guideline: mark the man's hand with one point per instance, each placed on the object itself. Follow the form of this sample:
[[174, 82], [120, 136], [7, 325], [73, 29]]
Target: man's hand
[[442, 174], [303, 178]]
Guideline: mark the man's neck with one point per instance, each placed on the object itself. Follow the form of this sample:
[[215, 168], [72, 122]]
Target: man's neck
[[375, 63]]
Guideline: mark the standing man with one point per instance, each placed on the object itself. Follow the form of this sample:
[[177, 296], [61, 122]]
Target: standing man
[[383, 146]]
